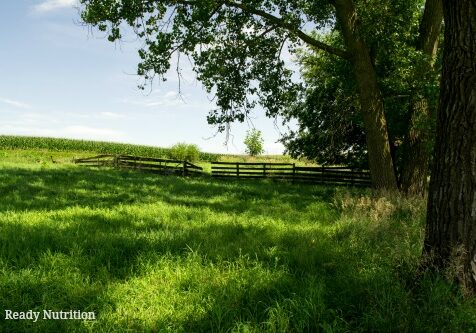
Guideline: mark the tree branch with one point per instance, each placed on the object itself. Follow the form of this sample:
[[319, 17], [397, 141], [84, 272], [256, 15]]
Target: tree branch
[[281, 23], [291, 28]]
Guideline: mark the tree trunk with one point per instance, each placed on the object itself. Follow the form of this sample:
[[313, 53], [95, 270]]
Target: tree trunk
[[430, 27], [450, 240], [380, 159], [416, 153]]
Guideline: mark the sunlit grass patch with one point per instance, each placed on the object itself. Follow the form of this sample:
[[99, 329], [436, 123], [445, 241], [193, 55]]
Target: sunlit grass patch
[[166, 254]]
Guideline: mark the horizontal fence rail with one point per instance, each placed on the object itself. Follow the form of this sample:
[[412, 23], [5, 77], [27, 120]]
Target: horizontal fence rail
[[147, 164], [291, 172], [235, 170]]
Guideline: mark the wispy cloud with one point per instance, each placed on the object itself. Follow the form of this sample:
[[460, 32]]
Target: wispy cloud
[[158, 100], [111, 115], [14, 103], [51, 5]]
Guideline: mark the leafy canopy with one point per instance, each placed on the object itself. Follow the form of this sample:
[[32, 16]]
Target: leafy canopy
[[330, 127], [234, 46]]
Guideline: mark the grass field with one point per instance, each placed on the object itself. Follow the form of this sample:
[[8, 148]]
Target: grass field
[[71, 148], [166, 254]]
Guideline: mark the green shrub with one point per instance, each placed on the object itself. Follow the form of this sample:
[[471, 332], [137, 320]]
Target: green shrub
[[185, 152], [254, 142]]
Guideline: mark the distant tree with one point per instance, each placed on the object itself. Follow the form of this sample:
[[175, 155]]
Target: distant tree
[[450, 240], [254, 142]]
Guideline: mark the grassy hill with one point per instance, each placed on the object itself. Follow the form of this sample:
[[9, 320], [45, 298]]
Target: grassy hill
[[151, 253], [9, 142], [99, 147]]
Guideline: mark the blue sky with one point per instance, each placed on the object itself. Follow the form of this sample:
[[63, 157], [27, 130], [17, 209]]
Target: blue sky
[[58, 79]]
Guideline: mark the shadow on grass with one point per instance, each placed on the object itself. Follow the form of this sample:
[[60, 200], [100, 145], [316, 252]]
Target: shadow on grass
[[54, 189], [269, 277], [314, 284], [79, 263]]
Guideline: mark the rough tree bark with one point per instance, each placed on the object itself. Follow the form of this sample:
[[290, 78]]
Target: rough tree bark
[[415, 146], [416, 157], [450, 240], [380, 158]]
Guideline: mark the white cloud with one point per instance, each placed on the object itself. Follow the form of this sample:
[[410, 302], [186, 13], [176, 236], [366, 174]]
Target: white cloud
[[111, 115], [14, 103], [171, 94], [51, 5]]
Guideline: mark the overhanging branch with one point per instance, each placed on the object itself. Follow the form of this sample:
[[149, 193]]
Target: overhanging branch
[[281, 23], [291, 28]]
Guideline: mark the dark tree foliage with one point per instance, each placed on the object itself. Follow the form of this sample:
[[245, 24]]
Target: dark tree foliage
[[330, 128]]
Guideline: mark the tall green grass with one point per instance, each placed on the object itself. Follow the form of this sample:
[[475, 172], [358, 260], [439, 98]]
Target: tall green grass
[[152, 253]]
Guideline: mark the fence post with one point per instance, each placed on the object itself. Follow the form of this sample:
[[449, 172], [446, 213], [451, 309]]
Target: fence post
[[294, 172], [264, 170], [238, 170], [184, 168]]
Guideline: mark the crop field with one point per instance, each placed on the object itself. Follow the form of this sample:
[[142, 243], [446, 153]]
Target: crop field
[[85, 147], [150, 253], [99, 147]]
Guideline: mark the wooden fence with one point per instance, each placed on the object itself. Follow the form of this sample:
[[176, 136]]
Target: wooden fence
[[291, 172], [148, 164], [235, 170]]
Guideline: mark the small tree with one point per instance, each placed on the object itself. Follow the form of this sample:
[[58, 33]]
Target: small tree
[[254, 142]]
